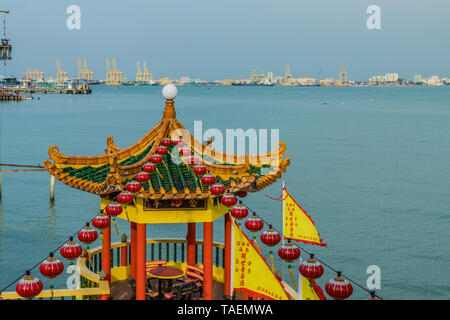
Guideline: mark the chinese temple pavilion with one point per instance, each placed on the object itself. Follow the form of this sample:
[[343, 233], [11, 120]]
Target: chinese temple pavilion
[[167, 177]]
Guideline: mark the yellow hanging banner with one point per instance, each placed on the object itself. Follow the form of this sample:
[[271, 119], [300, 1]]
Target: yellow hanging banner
[[297, 224], [251, 273], [309, 290]]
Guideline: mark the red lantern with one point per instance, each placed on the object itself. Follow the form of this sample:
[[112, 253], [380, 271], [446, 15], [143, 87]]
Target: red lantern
[[241, 194], [133, 186], [254, 224], [29, 286], [161, 150], [192, 160], [179, 142], [199, 170], [208, 179], [142, 177], [289, 252], [156, 158], [339, 288], [239, 212], [311, 268], [166, 142], [113, 209], [228, 200], [217, 189], [373, 296], [149, 167], [71, 250], [87, 235], [270, 237], [185, 152], [51, 267], [125, 197], [101, 221]]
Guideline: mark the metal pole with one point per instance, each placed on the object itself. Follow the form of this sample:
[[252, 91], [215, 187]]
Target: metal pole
[[52, 188], [0, 187]]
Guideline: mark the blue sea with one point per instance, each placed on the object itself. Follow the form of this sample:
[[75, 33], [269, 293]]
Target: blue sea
[[369, 164]]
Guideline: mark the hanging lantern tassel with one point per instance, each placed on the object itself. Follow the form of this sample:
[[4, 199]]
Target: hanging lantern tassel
[[101, 235], [89, 256], [256, 244], [292, 276], [51, 291], [115, 226], [271, 259]]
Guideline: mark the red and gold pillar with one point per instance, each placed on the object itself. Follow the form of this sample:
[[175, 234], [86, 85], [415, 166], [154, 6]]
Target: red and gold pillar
[[106, 254], [191, 246], [228, 245], [207, 260], [133, 234], [140, 261]]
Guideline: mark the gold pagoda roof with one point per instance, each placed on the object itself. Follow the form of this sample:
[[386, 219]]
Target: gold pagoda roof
[[110, 172]]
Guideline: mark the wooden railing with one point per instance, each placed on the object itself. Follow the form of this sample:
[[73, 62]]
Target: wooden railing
[[172, 250], [91, 286]]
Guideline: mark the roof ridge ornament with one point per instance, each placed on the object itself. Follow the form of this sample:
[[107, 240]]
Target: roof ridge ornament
[[169, 92]]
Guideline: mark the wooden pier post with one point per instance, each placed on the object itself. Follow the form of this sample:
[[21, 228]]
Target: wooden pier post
[[52, 188]]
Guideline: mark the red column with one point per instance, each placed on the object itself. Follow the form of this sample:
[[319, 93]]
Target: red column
[[207, 261], [228, 244], [191, 248], [106, 254], [133, 234], [123, 252], [140, 261]]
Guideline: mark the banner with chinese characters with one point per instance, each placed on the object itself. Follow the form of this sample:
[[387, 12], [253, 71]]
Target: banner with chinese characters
[[251, 274], [297, 224], [309, 290]]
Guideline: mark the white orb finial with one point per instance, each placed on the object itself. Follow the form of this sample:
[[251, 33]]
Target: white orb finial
[[169, 91]]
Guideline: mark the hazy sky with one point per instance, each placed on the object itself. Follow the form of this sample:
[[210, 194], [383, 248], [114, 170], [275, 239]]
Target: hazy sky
[[212, 39]]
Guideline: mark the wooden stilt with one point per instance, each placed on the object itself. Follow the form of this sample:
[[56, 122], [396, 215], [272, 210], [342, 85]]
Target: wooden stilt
[[52, 188]]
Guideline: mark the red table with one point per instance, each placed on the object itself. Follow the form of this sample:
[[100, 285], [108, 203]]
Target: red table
[[164, 273]]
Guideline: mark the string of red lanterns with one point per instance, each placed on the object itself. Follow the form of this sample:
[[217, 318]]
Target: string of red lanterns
[[338, 287]]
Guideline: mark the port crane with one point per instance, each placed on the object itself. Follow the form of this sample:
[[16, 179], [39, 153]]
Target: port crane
[[61, 76], [139, 72], [287, 73], [257, 76], [88, 75], [343, 74], [147, 77], [113, 77]]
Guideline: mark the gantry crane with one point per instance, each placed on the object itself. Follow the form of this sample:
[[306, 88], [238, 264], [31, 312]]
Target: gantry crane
[[257, 76], [343, 74], [61, 76], [88, 75], [139, 72], [287, 73], [147, 77], [109, 76], [117, 75], [80, 70]]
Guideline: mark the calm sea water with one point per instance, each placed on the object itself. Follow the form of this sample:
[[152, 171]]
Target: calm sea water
[[371, 165]]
